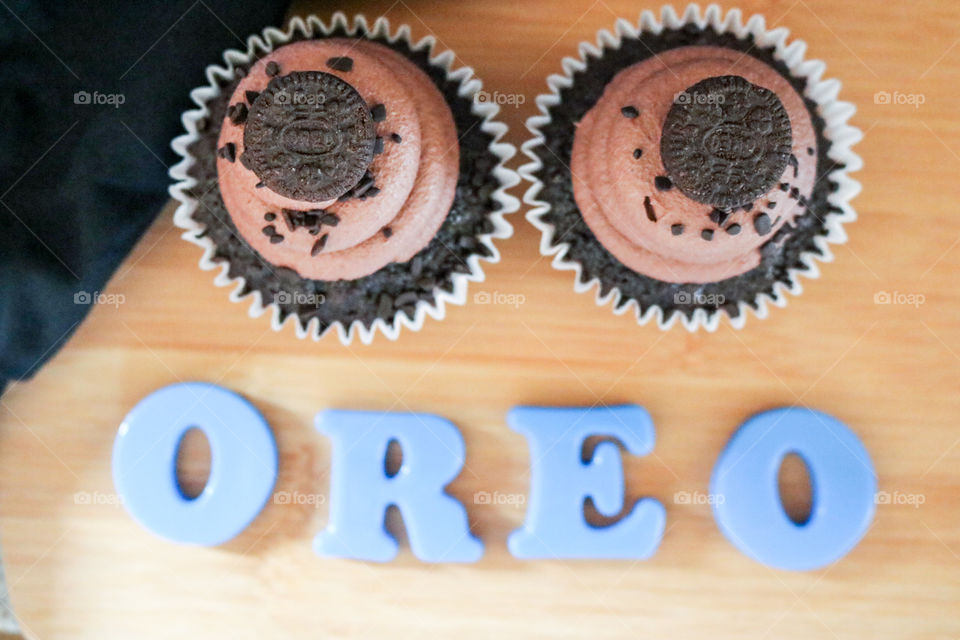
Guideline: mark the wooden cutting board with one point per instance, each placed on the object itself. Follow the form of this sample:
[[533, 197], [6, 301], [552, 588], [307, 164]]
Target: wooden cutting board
[[80, 567]]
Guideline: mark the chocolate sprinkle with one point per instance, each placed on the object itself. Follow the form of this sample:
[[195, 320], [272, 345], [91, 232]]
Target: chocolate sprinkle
[[719, 216], [378, 112], [663, 183], [762, 224], [228, 152], [793, 162], [396, 138], [329, 219], [651, 214], [637, 153], [276, 238], [783, 186], [319, 244], [259, 185], [810, 151], [676, 229], [387, 232], [341, 63], [237, 113], [252, 95], [771, 205], [733, 229], [269, 230], [272, 68], [707, 234], [629, 111], [269, 216], [378, 145]]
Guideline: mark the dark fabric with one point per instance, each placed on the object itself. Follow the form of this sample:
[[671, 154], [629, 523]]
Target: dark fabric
[[90, 97]]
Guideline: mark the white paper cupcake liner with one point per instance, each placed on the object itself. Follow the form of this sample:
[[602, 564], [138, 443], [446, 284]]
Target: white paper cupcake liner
[[837, 131], [312, 26]]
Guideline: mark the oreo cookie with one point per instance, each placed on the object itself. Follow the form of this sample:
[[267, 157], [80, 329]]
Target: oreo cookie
[[726, 141], [309, 136]]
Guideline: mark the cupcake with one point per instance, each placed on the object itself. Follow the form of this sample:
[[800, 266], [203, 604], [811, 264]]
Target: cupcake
[[344, 177], [692, 169]]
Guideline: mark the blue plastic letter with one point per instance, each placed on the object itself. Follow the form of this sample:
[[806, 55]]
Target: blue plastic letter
[[243, 463], [433, 454], [747, 503], [561, 482]]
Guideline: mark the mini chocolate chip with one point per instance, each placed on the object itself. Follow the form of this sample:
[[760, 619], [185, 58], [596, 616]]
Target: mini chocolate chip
[[319, 244], [378, 145], [637, 153], [238, 113], [707, 234], [341, 63], [733, 229], [288, 219], [719, 216], [272, 68], [651, 214], [663, 183], [252, 95], [330, 219], [228, 152], [269, 216], [387, 232], [676, 229], [629, 111], [378, 112], [762, 224], [396, 138]]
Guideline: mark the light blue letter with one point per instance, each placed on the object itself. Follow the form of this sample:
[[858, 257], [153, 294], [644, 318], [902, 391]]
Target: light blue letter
[[746, 498], [243, 463], [561, 482], [433, 454]]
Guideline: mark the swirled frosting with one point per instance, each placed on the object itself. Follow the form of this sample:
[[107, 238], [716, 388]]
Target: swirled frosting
[[400, 200], [667, 226]]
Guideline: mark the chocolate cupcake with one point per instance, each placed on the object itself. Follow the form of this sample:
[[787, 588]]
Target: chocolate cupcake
[[692, 169], [343, 177]]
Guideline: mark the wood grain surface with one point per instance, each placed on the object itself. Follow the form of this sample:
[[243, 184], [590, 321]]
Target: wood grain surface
[[80, 567]]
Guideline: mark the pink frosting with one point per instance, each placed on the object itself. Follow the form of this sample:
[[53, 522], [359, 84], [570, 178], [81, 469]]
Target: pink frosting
[[417, 176], [610, 184]]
